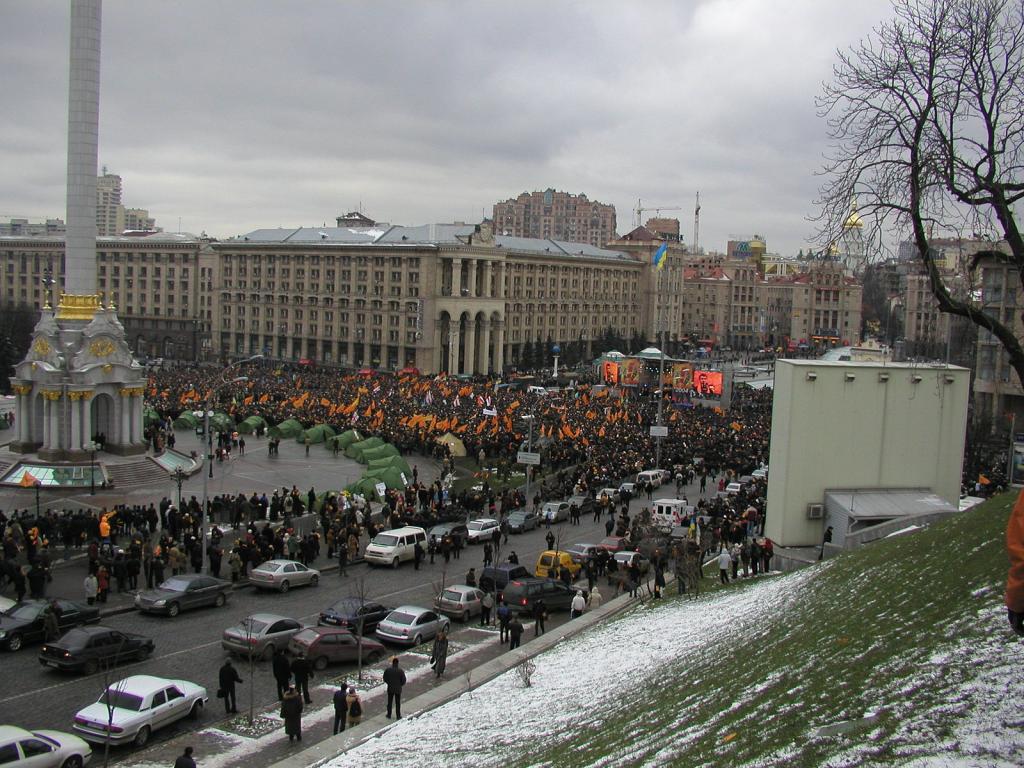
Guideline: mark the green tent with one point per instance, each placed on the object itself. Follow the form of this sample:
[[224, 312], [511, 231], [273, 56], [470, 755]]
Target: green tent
[[391, 461], [286, 429], [251, 424], [390, 476], [221, 422], [381, 452], [365, 487], [150, 417], [355, 451], [348, 437], [186, 421], [316, 434]]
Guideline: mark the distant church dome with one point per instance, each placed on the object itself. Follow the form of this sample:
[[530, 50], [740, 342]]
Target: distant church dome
[[853, 221]]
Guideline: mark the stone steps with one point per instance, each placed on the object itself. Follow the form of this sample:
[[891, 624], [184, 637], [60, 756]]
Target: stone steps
[[143, 472]]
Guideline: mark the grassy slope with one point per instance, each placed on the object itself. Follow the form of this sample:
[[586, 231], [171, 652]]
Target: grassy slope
[[884, 627]]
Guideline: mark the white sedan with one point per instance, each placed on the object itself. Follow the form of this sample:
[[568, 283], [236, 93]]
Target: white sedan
[[130, 710], [282, 575], [45, 749], [481, 530]]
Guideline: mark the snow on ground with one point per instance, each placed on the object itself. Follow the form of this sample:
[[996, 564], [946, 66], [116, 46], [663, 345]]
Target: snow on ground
[[477, 728]]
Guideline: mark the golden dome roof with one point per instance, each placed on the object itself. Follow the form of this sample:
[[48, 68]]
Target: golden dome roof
[[853, 220]]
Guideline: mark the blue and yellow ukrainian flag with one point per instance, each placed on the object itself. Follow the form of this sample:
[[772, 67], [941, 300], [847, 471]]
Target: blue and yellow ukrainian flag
[[661, 256]]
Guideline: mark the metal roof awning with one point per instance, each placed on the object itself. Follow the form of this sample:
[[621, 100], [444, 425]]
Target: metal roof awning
[[861, 515]]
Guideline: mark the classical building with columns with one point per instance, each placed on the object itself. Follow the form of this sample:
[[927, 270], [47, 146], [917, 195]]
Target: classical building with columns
[[439, 297]]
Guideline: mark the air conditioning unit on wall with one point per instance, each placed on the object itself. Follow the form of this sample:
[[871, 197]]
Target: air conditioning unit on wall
[[815, 511]]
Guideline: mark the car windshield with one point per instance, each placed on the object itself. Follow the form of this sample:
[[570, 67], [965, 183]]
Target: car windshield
[[115, 697], [306, 636], [175, 585], [255, 626], [451, 594], [26, 612], [385, 540], [401, 618]]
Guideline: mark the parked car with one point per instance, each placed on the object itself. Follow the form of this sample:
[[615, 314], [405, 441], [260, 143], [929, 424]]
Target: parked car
[[459, 601], [583, 553], [282, 575], [260, 634], [45, 749], [481, 530], [23, 623], [395, 546], [584, 504], [613, 543], [332, 645], [348, 611], [551, 559], [457, 531], [611, 493], [555, 511], [651, 476], [139, 705], [626, 559], [493, 578], [180, 593], [88, 649], [522, 520], [411, 625], [522, 594], [629, 488], [733, 488]]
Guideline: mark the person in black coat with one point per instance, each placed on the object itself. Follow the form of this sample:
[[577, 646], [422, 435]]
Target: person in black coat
[[282, 672], [394, 678], [185, 760], [302, 670], [540, 613], [227, 678]]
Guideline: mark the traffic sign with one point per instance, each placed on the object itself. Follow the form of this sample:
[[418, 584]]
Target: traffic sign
[[657, 431], [525, 457]]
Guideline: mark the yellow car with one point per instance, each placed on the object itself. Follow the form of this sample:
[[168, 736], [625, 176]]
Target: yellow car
[[557, 559]]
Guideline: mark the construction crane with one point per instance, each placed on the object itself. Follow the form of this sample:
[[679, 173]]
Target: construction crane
[[639, 211]]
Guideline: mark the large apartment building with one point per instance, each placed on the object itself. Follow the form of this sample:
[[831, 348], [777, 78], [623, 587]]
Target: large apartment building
[[999, 395], [556, 215]]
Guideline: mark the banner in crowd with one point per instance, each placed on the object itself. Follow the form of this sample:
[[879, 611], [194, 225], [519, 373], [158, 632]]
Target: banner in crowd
[[630, 372], [610, 372]]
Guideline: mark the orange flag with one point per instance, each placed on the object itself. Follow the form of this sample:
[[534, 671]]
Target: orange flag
[[263, 399], [247, 400]]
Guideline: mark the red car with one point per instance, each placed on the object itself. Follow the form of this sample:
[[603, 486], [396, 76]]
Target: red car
[[613, 544], [331, 645]]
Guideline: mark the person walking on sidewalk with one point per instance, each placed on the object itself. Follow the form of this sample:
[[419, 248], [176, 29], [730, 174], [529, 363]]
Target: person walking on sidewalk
[[439, 654], [355, 707], [540, 613], [394, 678], [342, 560], [227, 678], [578, 605], [340, 701], [282, 672], [302, 670], [504, 615], [91, 588], [486, 604], [515, 632], [291, 713], [185, 759]]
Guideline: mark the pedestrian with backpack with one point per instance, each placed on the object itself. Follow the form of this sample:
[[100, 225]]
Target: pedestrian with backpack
[[355, 707]]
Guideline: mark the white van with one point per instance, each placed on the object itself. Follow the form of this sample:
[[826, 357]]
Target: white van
[[652, 476], [395, 546], [669, 513]]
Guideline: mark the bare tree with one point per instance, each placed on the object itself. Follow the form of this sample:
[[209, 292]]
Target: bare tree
[[927, 122], [111, 693], [361, 593]]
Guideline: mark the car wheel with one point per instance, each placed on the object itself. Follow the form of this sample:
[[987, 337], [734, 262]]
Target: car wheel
[[446, 627], [394, 563], [75, 761], [197, 710], [14, 642], [90, 667], [465, 616], [374, 657], [417, 640], [268, 652], [320, 663], [141, 737], [315, 581], [173, 610], [284, 586], [220, 600]]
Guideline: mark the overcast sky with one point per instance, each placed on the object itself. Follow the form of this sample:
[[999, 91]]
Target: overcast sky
[[239, 114]]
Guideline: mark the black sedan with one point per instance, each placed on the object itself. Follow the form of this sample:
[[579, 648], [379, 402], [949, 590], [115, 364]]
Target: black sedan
[[91, 648], [23, 623], [458, 532], [179, 593], [349, 610]]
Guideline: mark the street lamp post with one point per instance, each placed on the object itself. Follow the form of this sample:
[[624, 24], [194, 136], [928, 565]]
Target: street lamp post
[[38, 484], [207, 405], [528, 418], [179, 475], [92, 467]]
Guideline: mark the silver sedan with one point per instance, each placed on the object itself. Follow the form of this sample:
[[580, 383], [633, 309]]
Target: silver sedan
[[282, 575], [260, 634]]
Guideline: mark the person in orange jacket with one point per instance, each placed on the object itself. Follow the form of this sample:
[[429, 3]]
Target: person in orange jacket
[[1015, 577]]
